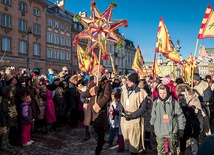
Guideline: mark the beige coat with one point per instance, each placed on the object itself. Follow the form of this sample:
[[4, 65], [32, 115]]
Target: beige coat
[[133, 130]]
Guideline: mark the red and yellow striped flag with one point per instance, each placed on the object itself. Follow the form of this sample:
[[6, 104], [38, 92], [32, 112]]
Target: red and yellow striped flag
[[138, 61], [207, 25], [165, 45]]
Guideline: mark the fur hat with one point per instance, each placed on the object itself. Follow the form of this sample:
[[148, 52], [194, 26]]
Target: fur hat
[[183, 88], [133, 78], [8, 77], [100, 67], [75, 79], [26, 98]]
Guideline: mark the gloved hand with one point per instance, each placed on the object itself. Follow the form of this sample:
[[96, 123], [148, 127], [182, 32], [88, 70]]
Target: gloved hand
[[128, 117], [180, 133]]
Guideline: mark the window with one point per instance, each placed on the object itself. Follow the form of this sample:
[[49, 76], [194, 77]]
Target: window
[[22, 6], [62, 40], [49, 53], [68, 56], [6, 1], [36, 29], [56, 54], [68, 28], [56, 25], [36, 49], [5, 20], [5, 44], [56, 39], [80, 27], [49, 22], [62, 26], [75, 25], [75, 61], [68, 42], [49, 37], [22, 46], [62, 55], [22, 25], [36, 11], [75, 48]]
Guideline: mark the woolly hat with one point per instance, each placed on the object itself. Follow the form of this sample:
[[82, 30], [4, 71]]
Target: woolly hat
[[133, 78], [100, 67], [26, 98], [196, 76], [207, 147], [208, 77], [166, 80], [58, 90]]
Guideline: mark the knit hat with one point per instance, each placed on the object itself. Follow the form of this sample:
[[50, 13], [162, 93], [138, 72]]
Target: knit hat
[[207, 147], [133, 78], [43, 88], [208, 77], [196, 76], [166, 80], [26, 98], [58, 90]]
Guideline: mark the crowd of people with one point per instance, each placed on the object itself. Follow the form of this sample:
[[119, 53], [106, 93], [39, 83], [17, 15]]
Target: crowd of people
[[132, 106]]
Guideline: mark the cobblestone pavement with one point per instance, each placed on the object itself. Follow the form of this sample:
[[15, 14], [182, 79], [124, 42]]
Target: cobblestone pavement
[[67, 142]]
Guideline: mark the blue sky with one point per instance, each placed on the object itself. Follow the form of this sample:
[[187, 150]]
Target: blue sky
[[181, 17]]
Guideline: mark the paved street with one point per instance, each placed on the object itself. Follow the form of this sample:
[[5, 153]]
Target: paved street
[[66, 142]]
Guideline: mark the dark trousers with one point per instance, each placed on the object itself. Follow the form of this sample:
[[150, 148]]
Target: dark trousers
[[74, 117], [100, 135]]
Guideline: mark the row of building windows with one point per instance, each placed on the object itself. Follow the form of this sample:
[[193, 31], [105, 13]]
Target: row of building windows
[[6, 22], [23, 46], [23, 7], [56, 25], [56, 39], [6, 46], [56, 54]]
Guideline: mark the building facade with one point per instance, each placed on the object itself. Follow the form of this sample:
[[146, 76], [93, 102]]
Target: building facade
[[23, 34]]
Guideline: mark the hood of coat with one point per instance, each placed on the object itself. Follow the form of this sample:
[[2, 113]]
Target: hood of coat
[[184, 88]]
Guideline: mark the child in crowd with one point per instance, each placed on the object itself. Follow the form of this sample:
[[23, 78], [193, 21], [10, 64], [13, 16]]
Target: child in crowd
[[114, 115], [50, 111], [40, 121], [60, 105], [27, 119]]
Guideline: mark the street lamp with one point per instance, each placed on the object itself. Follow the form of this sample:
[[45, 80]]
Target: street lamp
[[29, 32]]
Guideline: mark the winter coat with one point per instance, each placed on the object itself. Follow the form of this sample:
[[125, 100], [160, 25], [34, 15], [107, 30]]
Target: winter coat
[[60, 105], [8, 106], [74, 96], [133, 130], [50, 108], [26, 111], [104, 95], [176, 118], [42, 112]]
